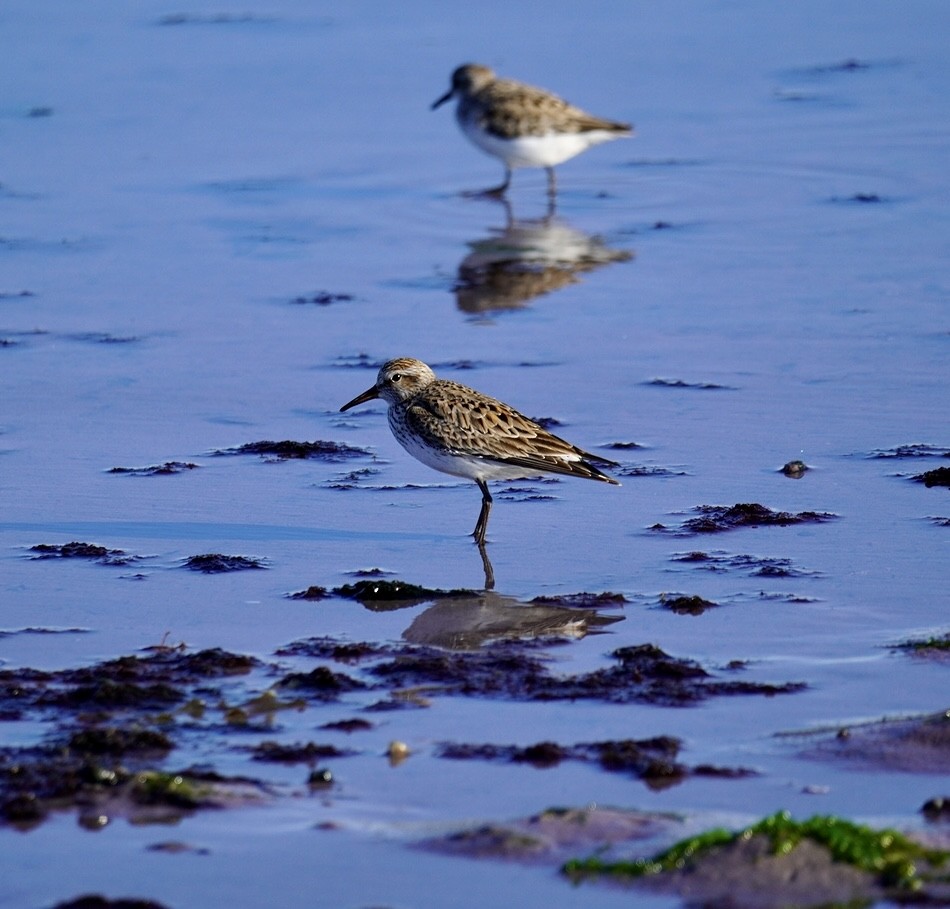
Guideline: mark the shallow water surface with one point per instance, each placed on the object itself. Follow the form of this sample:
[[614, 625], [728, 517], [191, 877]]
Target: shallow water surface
[[218, 223]]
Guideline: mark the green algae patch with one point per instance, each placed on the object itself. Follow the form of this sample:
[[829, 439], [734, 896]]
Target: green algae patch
[[157, 787], [890, 860], [936, 646]]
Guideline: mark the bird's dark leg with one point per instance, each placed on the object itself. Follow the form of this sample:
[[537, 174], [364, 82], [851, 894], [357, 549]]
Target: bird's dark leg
[[486, 564], [498, 191], [552, 184], [482, 525]]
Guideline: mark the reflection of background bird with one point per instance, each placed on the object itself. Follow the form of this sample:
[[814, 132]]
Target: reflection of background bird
[[522, 125], [526, 259], [465, 623]]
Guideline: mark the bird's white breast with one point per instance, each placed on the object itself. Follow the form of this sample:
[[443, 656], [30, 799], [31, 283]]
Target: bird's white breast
[[535, 151], [458, 465]]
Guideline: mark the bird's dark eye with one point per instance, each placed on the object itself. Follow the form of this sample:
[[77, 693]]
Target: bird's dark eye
[[397, 377]]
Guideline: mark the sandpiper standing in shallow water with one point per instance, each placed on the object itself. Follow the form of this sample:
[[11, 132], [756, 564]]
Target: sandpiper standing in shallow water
[[523, 125], [460, 431]]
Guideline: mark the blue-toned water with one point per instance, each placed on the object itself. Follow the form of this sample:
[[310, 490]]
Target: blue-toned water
[[216, 220]]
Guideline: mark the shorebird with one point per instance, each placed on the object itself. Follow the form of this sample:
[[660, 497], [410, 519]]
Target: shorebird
[[522, 125], [460, 431]]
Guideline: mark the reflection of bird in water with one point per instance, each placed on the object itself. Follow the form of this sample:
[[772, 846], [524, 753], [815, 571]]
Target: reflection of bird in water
[[522, 125], [465, 623], [460, 431], [526, 259]]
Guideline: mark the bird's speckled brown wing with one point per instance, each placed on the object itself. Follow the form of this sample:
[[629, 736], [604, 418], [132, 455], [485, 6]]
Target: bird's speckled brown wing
[[510, 109], [459, 420]]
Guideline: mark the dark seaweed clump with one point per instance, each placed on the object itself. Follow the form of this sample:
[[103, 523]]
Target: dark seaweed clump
[[379, 591], [513, 669], [313, 592], [326, 648], [323, 298], [77, 550], [289, 449], [686, 605], [719, 518], [642, 673], [652, 760], [97, 901], [216, 563], [937, 809], [795, 470], [279, 753], [156, 470], [756, 566], [110, 734], [915, 450], [680, 383], [584, 600], [321, 683], [937, 477]]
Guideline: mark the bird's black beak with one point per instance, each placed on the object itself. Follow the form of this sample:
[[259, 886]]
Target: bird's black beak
[[443, 99], [367, 395]]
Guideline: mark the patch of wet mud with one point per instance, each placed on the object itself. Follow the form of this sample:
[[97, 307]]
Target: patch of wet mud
[[169, 468], [918, 745], [78, 550], [218, 563], [548, 836], [720, 518], [654, 760], [331, 452]]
